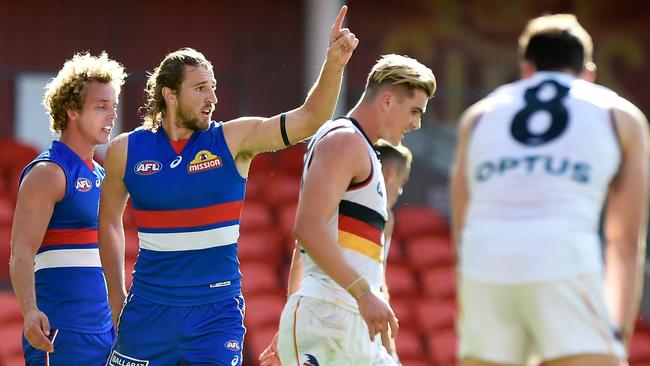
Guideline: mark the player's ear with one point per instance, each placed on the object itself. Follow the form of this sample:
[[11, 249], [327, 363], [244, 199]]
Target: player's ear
[[526, 69], [169, 95], [589, 72], [390, 172]]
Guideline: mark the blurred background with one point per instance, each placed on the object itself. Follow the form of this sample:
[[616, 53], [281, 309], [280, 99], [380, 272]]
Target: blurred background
[[266, 55]]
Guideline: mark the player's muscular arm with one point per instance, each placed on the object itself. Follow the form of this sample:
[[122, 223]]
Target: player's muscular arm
[[327, 179], [459, 192], [111, 230], [248, 136], [43, 186], [625, 219]]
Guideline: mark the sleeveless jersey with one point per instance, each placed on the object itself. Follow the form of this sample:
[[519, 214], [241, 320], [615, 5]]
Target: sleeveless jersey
[[69, 282], [358, 225], [539, 163], [187, 208]]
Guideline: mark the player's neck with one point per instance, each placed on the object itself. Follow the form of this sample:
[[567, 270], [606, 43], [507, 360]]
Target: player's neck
[[84, 149], [174, 130], [368, 120]]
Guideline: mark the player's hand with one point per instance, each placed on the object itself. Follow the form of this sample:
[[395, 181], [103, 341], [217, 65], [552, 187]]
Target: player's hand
[[342, 42], [269, 356], [378, 316], [37, 330], [116, 302]]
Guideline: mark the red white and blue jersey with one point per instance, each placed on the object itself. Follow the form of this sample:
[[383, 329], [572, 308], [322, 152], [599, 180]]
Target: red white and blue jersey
[[70, 285], [187, 208]]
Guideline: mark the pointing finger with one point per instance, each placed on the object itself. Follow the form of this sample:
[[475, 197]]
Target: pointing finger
[[339, 19]]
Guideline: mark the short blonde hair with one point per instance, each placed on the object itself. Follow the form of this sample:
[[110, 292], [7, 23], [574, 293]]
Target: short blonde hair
[[68, 89], [556, 41], [395, 69]]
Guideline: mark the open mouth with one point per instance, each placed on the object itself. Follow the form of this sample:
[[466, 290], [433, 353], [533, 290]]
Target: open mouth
[[107, 129]]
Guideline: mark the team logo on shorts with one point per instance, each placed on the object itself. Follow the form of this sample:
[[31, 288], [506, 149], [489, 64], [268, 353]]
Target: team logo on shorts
[[118, 359], [83, 185], [381, 193], [147, 167], [204, 160], [311, 360], [232, 345]]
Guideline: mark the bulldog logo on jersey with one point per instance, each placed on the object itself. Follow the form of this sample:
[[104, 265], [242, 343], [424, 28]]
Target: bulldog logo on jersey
[[147, 167], [204, 160], [83, 185]]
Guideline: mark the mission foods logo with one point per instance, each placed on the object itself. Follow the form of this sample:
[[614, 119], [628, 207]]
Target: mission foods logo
[[147, 167], [204, 160], [83, 185]]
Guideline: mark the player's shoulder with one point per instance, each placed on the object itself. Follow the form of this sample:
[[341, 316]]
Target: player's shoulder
[[341, 137], [44, 173]]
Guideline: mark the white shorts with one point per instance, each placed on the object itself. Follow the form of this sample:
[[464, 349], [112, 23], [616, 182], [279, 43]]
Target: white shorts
[[317, 332], [517, 324]]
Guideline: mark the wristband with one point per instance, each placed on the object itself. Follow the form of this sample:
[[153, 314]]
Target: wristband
[[358, 288]]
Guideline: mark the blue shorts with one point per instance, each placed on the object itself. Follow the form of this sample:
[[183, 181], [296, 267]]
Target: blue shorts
[[71, 348], [152, 334]]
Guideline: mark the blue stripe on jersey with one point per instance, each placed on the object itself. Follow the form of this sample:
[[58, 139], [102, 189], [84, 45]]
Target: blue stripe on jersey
[[67, 246]]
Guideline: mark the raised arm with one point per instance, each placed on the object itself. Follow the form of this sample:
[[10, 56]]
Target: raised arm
[[111, 230], [247, 136], [625, 220], [43, 186]]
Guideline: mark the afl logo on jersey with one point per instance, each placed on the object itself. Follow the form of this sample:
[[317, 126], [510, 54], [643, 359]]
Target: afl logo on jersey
[[147, 167], [83, 185], [232, 345], [204, 160]]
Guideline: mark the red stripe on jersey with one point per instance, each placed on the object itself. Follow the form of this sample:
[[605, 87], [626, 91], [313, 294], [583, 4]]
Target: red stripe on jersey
[[69, 236], [162, 219], [360, 228]]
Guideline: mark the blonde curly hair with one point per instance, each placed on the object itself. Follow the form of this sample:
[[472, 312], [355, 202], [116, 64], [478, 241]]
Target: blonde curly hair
[[68, 89]]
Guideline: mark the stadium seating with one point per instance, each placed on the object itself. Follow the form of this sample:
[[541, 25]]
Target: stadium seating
[[11, 344], [415, 220], [9, 309], [442, 347], [401, 280], [5, 252], [424, 251], [439, 282], [435, 315], [260, 246], [409, 343], [263, 310], [255, 217], [259, 278]]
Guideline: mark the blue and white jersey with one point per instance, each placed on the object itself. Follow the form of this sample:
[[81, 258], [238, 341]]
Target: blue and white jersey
[[187, 208], [540, 160], [70, 285]]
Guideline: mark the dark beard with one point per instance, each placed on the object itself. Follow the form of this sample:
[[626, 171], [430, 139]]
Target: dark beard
[[183, 120]]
